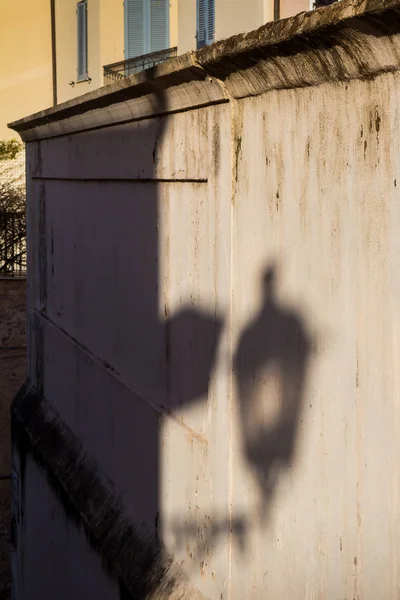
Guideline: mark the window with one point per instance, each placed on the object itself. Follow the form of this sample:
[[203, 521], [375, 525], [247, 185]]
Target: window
[[319, 3], [205, 22], [146, 26], [81, 13]]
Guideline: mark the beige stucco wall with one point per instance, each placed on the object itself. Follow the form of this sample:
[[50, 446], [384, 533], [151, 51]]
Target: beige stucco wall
[[292, 7], [111, 32], [25, 65], [186, 26], [173, 22], [237, 17]]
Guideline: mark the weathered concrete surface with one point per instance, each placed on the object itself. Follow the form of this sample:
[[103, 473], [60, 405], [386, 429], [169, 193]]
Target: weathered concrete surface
[[91, 500], [12, 374], [214, 300]]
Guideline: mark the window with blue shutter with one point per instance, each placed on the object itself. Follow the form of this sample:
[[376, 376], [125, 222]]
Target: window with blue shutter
[[205, 22], [135, 28], [210, 21], [159, 30], [146, 26], [319, 3], [82, 40]]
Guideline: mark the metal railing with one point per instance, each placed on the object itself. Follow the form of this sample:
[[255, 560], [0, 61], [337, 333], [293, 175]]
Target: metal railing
[[124, 68], [12, 244]]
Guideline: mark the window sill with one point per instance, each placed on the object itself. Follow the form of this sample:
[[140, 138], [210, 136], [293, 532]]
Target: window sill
[[86, 80]]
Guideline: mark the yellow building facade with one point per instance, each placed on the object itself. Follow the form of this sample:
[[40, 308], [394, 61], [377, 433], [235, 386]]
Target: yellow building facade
[[110, 28], [105, 44], [26, 60], [56, 50], [40, 48]]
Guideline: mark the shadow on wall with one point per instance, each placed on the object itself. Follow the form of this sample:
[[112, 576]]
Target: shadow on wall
[[164, 360], [270, 367]]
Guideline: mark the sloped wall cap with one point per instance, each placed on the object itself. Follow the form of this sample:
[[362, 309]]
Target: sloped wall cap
[[347, 40]]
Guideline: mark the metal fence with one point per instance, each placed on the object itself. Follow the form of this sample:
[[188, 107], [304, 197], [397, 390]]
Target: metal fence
[[12, 244], [124, 68]]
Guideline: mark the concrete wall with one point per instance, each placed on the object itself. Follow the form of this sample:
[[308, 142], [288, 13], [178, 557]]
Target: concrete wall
[[214, 316], [25, 69]]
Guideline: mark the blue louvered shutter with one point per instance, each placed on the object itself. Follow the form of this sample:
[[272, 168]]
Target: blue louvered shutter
[[205, 22], [82, 40], [135, 28], [210, 21], [159, 34], [201, 23]]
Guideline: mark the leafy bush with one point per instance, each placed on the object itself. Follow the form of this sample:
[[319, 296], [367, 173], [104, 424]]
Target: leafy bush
[[9, 149]]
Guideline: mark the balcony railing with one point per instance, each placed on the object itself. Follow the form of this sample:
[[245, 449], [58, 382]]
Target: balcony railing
[[122, 69]]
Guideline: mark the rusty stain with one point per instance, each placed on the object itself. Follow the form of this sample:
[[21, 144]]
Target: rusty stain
[[377, 120], [371, 122], [216, 148], [155, 152], [238, 152]]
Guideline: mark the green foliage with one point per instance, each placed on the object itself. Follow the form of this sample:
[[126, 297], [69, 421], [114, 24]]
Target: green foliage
[[9, 149]]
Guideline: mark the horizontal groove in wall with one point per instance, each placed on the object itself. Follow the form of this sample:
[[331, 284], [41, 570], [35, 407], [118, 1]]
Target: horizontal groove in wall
[[119, 180]]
